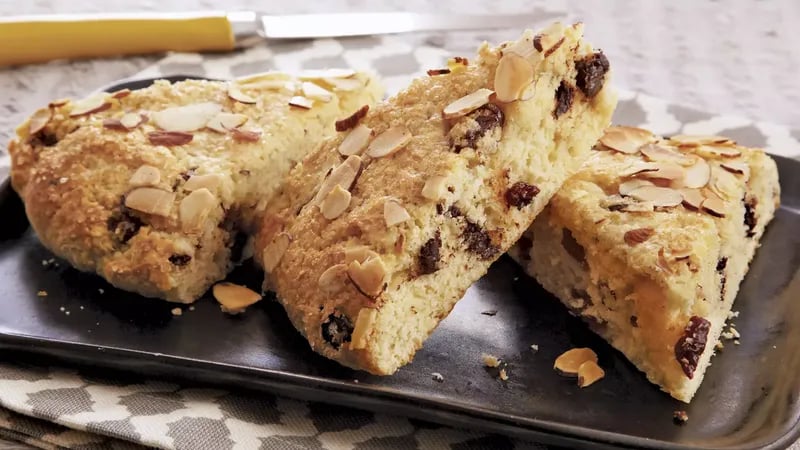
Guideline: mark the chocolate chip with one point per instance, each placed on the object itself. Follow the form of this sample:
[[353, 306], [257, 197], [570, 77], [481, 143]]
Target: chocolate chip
[[337, 330], [454, 211], [487, 117], [692, 344], [634, 321], [750, 217], [537, 42], [591, 73], [429, 255], [572, 246], [180, 260], [564, 96], [186, 174], [350, 122], [521, 194], [123, 225], [722, 263], [439, 208], [478, 241]]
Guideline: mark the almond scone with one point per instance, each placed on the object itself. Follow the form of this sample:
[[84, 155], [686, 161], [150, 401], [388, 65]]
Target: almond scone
[[649, 242], [379, 232], [151, 188]]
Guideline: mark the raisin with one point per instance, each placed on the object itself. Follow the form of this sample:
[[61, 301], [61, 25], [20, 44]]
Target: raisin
[[478, 241], [337, 330], [487, 117], [180, 260], [634, 322], [722, 263], [439, 208], [591, 73], [429, 255], [692, 344], [564, 97], [572, 246], [750, 217], [123, 226], [521, 194]]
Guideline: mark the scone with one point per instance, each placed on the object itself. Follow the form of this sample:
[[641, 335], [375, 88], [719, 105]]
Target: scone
[[379, 232], [649, 242], [151, 188]]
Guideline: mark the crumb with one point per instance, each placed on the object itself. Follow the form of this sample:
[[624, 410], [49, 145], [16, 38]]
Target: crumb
[[63, 180], [42, 293], [81, 308], [516, 278], [680, 417], [177, 311], [101, 291], [774, 346], [535, 347], [490, 312], [502, 374], [437, 377], [737, 342], [727, 334], [490, 361], [355, 381], [735, 333], [191, 308], [66, 312], [719, 345], [733, 314], [61, 309]]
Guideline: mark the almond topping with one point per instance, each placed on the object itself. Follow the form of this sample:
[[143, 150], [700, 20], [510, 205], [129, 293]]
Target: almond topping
[[467, 103], [315, 92], [659, 196], [225, 121], [93, 104], [657, 153], [336, 203], [59, 102], [317, 74], [638, 168], [725, 152], [343, 175], [627, 186], [273, 252], [122, 93], [351, 121], [626, 139], [246, 135], [358, 253], [39, 120], [234, 299], [393, 213], [736, 167], [301, 102], [332, 280], [169, 138], [195, 207], [344, 84], [209, 181], [637, 236], [369, 277], [664, 170], [389, 142], [713, 205], [150, 201], [435, 188], [692, 198], [131, 120], [356, 141], [697, 140], [186, 118], [235, 92], [262, 76], [569, 362], [588, 373], [363, 327], [697, 175], [514, 73], [145, 176]]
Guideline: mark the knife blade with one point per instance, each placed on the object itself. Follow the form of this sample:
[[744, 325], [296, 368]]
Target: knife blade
[[32, 39]]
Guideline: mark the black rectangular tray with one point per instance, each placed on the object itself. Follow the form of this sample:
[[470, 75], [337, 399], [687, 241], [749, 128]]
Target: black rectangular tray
[[750, 397]]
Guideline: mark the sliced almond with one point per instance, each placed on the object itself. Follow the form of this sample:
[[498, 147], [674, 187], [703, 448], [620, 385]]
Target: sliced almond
[[150, 201], [723, 151], [274, 251], [235, 92], [389, 142], [317, 74], [358, 253], [122, 93], [467, 103], [626, 139], [93, 104], [336, 203], [363, 327], [697, 140], [195, 208], [145, 176], [301, 102], [697, 175], [262, 76], [692, 198], [514, 73], [588, 373], [523, 47], [657, 153], [210, 181], [39, 120], [638, 168], [234, 299], [637, 236], [435, 188], [225, 121], [332, 279], [369, 277], [660, 196], [549, 39], [356, 141], [627, 186], [169, 138], [737, 167], [394, 214], [490, 360], [246, 135], [352, 120], [59, 102], [344, 84], [273, 84], [569, 362], [343, 175], [713, 205], [131, 120], [315, 92], [186, 118], [664, 171]]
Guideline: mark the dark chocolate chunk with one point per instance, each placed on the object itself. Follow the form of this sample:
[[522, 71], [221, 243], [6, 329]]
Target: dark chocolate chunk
[[521, 194], [337, 330], [591, 73], [572, 246], [123, 225], [564, 96], [750, 217], [454, 211], [429, 255], [488, 117], [478, 241], [692, 344], [722, 263], [439, 208], [180, 260]]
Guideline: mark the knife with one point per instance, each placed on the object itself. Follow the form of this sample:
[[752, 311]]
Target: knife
[[31, 39]]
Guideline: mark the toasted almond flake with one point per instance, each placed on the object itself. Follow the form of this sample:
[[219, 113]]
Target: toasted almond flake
[[169, 138], [697, 175], [235, 92], [692, 198], [274, 251], [490, 360], [737, 167], [352, 120], [626, 139], [325, 73], [627, 186], [131, 120], [225, 121], [657, 153], [39, 120], [467, 103], [150, 201], [588, 373], [122, 93], [436, 72], [549, 39], [246, 135], [724, 183], [680, 251], [113, 124], [394, 214], [145, 176], [195, 208], [315, 92], [660, 196], [514, 73], [332, 279], [262, 76], [638, 168], [435, 188], [369, 277], [664, 171], [344, 84], [210, 181], [569, 362], [363, 327], [186, 118], [233, 298], [713, 205], [358, 253], [343, 175], [662, 262], [336, 203], [275, 84], [301, 102], [524, 48], [637, 236], [697, 140], [389, 142], [356, 141], [723, 151], [59, 102], [93, 104]]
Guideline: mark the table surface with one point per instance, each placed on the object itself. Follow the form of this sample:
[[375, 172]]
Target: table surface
[[734, 57]]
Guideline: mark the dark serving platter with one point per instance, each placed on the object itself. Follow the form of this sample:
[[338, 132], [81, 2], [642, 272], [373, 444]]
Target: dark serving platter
[[750, 397]]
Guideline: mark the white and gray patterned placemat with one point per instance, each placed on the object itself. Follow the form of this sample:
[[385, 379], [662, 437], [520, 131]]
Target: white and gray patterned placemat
[[94, 410]]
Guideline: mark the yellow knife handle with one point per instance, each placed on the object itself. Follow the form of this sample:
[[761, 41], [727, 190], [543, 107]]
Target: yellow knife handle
[[38, 39]]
